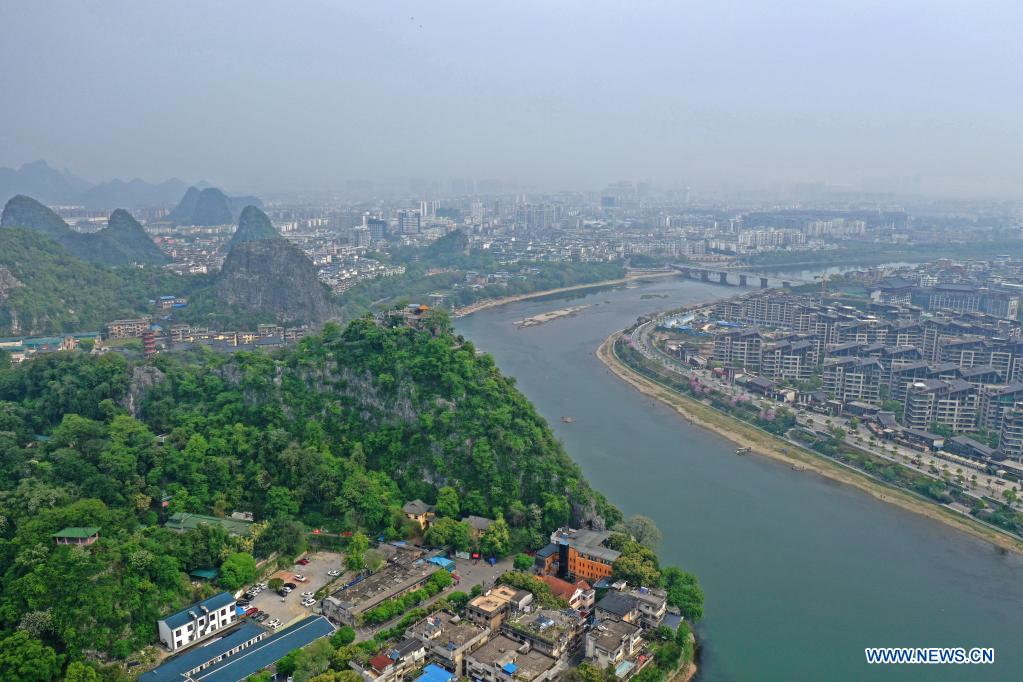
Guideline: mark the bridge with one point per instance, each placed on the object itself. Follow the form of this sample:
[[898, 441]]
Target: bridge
[[720, 276]]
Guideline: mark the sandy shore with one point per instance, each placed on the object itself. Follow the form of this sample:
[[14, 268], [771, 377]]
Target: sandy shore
[[766, 445], [494, 302]]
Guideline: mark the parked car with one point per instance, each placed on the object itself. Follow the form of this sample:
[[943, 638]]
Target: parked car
[[290, 586], [283, 591], [300, 578], [333, 573], [307, 594], [308, 602], [248, 595], [251, 611], [303, 561], [261, 616]]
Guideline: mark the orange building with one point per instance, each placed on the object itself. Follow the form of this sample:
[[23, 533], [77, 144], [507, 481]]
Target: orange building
[[582, 554]]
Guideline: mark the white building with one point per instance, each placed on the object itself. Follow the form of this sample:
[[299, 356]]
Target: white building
[[198, 621]]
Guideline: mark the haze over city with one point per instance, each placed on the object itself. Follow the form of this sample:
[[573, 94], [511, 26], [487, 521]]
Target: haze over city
[[913, 97]]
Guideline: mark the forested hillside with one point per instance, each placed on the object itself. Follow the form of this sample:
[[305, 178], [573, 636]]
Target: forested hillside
[[123, 242], [46, 290], [336, 433]]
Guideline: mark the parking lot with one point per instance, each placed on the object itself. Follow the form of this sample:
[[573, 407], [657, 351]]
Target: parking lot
[[289, 609]]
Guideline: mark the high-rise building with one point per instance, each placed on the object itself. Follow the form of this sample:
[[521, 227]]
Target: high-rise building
[[409, 222]]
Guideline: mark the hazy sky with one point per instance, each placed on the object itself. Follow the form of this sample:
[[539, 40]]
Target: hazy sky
[[557, 93]]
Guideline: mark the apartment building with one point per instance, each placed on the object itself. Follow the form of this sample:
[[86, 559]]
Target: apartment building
[[849, 379], [739, 348], [950, 403]]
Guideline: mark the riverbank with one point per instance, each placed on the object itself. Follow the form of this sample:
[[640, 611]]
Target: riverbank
[[762, 443], [494, 302]]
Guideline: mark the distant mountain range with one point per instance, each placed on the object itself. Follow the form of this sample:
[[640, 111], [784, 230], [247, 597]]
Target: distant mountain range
[[51, 186]]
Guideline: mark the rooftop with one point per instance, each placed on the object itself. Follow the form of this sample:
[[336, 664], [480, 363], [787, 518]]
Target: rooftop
[[174, 668], [267, 651], [589, 542], [179, 618], [435, 673], [608, 634], [503, 651], [417, 507], [494, 600], [81, 532], [394, 577], [444, 628], [617, 603], [547, 624], [188, 521]]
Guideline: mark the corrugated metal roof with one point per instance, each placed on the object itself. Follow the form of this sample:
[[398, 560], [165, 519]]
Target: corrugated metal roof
[[176, 667], [267, 652]]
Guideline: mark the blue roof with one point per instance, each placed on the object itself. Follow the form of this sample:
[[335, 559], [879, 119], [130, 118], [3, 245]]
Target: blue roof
[[176, 667], [510, 668], [217, 601], [267, 652], [435, 673], [623, 668], [443, 562]]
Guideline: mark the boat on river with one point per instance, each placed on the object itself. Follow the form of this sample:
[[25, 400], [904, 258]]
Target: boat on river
[[744, 451]]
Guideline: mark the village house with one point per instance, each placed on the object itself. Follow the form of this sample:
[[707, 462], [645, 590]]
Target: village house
[[418, 511], [609, 642], [505, 660], [447, 638], [580, 596], [491, 608]]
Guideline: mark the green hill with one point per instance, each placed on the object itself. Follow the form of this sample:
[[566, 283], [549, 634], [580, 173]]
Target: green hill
[[127, 235], [123, 242], [253, 225], [44, 289]]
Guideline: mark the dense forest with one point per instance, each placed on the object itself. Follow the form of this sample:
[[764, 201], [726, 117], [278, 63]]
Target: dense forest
[[336, 433]]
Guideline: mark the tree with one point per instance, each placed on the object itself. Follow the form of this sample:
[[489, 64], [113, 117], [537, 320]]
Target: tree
[[449, 534], [337, 676], [344, 636], [523, 562], [683, 592], [287, 664], [81, 672], [26, 659], [237, 570], [496, 541], [447, 503], [374, 560], [644, 531], [313, 660], [275, 584], [355, 553], [280, 502]]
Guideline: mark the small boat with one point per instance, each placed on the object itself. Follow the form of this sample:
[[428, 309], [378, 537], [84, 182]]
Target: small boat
[[744, 451], [568, 420]]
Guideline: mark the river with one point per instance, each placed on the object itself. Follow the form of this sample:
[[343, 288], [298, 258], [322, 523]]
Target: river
[[800, 573]]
